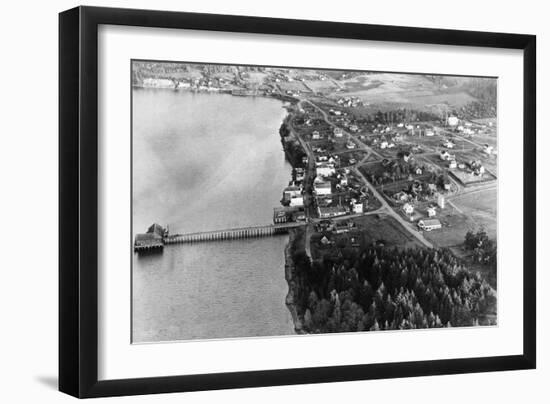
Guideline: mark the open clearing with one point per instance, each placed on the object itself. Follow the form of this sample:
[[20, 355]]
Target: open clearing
[[481, 206]]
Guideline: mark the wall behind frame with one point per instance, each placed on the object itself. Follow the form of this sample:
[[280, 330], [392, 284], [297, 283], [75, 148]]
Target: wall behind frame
[[28, 163]]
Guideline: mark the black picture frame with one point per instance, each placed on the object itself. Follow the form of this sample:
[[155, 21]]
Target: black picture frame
[[78, 201]]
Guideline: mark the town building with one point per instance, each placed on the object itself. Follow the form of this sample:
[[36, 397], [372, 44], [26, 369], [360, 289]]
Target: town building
[[284, 214], [291, 191], [325, 170], [323, 188], [330, 211]]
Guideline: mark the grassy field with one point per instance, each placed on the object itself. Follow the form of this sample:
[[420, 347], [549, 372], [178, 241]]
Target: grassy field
[[463, 213], [415, 91], [387, 229], [293, 86], [320, 86], [481, 207]]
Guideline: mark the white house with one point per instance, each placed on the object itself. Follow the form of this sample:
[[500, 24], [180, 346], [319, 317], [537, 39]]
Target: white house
[[325, 170], [316, 135], [452, 164], [431, 211], [445, 155], [338, 132], [452, 121], [358, 207], [344, 180], [408, 209]]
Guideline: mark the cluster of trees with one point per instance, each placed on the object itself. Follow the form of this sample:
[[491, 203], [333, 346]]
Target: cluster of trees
[[293, 150], [478, 110], [393, 171], [484, 250], [386, 289]]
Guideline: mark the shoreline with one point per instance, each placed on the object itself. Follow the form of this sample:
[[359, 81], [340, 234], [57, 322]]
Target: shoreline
[[290, 269], [235, 92]]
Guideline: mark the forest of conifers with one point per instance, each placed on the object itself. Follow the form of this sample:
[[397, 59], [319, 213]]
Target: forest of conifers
[[386, 289]]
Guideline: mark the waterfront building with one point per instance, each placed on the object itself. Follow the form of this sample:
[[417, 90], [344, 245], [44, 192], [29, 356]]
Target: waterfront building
[[153, 239], [291, 191], [297, 201]]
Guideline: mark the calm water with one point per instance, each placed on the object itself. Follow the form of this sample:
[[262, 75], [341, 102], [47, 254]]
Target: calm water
[[206, 162]]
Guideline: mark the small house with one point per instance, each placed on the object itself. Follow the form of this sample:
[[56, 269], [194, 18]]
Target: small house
[[408, 209], [358, 207]]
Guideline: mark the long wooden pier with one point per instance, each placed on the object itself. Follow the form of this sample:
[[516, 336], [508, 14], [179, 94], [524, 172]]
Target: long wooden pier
[[231, 234]]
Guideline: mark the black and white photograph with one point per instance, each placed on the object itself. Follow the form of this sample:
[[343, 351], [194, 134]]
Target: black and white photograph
[[277, 201]]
